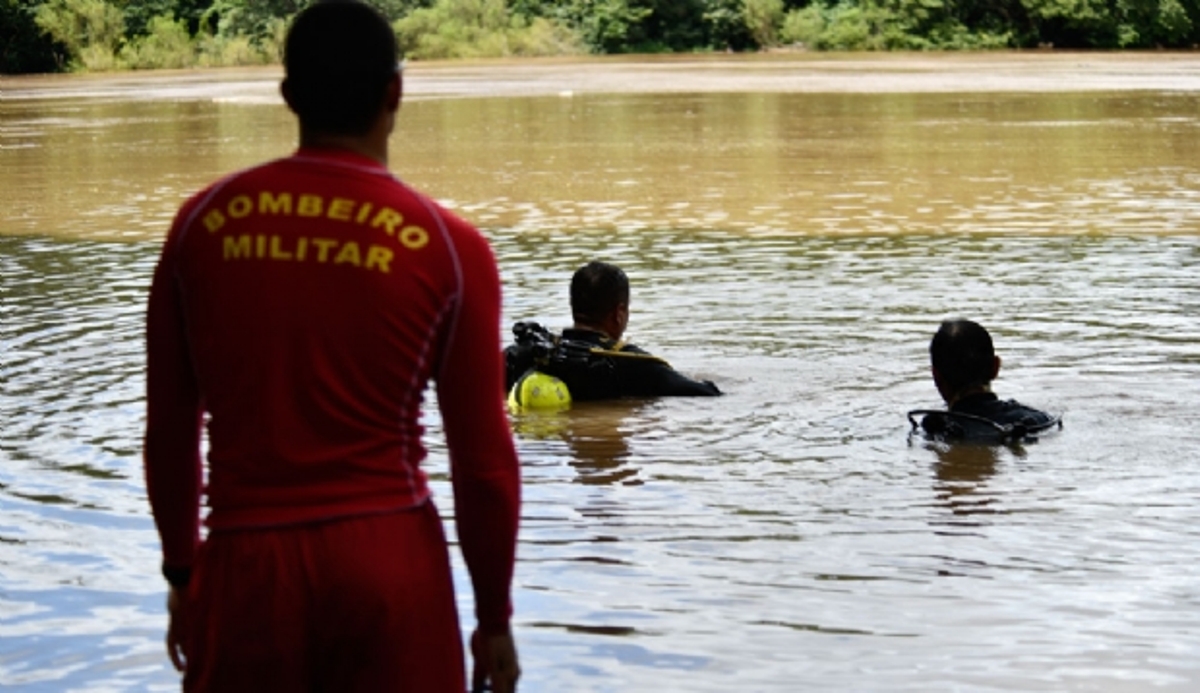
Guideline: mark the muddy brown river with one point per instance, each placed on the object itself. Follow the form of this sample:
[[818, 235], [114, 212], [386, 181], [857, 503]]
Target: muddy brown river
[[795, 226]]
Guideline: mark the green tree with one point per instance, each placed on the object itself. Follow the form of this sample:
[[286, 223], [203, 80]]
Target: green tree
[[1107, 23], [763, 19], [607, 26], [481, 28], [91, 30], [891, 25], [24, 47], [140, 13], [670, 25], [1149, 23], [257, 20], [726, 25], [1176, 24], [166, 44], [1074, 23]]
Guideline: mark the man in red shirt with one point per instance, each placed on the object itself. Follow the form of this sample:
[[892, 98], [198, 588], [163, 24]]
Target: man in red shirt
[[303, 306]]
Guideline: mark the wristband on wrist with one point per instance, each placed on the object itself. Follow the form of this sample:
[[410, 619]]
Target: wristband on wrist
[[177, 577]]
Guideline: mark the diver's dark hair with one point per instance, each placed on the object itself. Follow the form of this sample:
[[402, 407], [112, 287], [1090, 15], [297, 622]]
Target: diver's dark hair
[[338, 59], [963, 354], [596, 290]]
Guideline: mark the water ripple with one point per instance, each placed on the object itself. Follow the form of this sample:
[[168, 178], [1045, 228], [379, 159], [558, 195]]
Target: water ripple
[[787, 536]]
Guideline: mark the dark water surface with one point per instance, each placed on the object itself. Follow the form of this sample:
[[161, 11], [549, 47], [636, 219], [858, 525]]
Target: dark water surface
[[799, 249]]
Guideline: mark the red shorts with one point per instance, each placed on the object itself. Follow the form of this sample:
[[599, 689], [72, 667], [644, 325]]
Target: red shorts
[[358, 604]]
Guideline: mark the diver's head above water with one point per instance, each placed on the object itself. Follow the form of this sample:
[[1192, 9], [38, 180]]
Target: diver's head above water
[[963, 359], [600, 299]]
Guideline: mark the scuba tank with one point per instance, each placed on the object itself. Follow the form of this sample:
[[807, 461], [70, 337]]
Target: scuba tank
[[536, 390], [531, 364]]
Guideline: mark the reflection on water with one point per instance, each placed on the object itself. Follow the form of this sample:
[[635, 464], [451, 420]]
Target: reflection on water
[[962, 472], [594, 437], [784, 537]]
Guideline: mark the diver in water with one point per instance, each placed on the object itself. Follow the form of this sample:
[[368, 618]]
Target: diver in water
[[964, 364], [590, 358]]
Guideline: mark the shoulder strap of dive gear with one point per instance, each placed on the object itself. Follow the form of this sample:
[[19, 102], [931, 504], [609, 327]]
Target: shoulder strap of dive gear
[[1008, 433], [616, 350], [546, 347]]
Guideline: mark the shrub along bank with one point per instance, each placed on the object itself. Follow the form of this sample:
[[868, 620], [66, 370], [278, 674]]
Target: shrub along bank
[[55, 35]]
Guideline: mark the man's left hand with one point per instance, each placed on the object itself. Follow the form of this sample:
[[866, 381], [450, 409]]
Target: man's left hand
[[176, 626]]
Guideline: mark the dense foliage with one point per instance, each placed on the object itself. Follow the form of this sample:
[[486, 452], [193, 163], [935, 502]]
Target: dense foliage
[[47, 35]]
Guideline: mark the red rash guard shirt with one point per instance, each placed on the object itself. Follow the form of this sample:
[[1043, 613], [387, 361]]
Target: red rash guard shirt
[[304, 305]]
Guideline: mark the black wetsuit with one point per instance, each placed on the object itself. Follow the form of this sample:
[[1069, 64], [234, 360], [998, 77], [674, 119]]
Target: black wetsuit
[[594, 367], [1008, 415]]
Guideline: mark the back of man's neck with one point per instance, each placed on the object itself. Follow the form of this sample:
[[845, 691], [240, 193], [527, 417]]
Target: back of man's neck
[[969, 392], [361, 145], [592, 328]]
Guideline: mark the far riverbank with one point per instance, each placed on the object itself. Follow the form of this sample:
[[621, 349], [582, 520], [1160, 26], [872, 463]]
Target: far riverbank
[[765, 73]]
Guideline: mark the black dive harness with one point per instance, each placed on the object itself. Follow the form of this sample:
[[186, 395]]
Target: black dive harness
[[549, 352], [950, 425], [555, 355]]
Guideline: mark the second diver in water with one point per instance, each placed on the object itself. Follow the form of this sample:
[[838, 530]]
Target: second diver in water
[[964, 364], [590, 359]]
